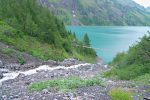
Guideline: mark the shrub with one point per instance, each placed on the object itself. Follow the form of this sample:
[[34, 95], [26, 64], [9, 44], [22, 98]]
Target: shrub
[[21, 60]]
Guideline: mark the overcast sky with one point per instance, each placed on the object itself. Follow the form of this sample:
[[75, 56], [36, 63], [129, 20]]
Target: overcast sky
[[144, 3]]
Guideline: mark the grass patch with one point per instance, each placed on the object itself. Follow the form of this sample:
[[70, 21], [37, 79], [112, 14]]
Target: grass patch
[[7, 51], [66, 84], [54, 1], [120, 94]]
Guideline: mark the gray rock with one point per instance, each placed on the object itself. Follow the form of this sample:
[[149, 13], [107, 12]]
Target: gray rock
[[71, 95], [21, 76], [13, 67], [45, 91], [1, 75], [4, 70], [85, 68], [1, 64], [69, 62], [50, 62], [79, 98], [4, 97], [147, 98]]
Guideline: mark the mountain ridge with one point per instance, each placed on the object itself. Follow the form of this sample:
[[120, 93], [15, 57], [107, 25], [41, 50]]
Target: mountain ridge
[[96, 12]]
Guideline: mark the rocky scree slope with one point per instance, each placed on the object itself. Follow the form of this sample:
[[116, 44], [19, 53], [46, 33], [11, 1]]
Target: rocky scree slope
[[18, 88]]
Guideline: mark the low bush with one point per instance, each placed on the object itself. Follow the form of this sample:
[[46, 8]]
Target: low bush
[[21, 60]]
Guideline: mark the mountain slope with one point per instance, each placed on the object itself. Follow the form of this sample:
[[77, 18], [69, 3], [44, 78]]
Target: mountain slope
[[99, 12], [148, 9], [30, 28]]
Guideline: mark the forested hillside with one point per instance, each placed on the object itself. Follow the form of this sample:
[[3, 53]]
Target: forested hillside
[[99, 12], [31, 28], [135, 62]]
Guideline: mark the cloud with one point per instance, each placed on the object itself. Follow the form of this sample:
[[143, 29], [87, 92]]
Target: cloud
[[144, 3]]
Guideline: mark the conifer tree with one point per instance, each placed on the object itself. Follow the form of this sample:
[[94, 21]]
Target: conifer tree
[[86, 40]]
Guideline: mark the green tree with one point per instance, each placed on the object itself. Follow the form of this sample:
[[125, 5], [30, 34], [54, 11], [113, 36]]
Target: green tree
[[86, 40]]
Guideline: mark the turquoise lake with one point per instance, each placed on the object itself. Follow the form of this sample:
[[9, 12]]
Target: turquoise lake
[[111, 39]]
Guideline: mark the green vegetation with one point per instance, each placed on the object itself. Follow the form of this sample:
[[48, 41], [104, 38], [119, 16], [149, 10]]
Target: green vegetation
[[7, 51], [21, 60], [31, 28], [120, 94], [101, 12], [66, 84], [54, 0], [134, 63], [142, 80], [86, 40]]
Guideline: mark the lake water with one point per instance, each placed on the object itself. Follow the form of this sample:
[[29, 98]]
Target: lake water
[[110, 40]]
